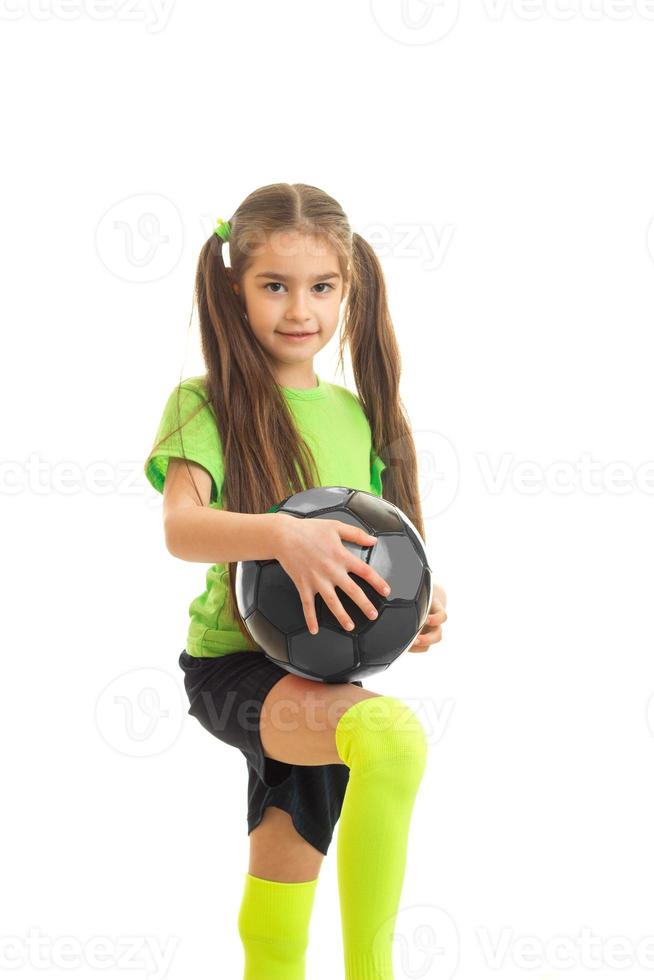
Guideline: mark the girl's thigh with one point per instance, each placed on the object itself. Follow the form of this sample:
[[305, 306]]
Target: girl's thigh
[[298, 719]]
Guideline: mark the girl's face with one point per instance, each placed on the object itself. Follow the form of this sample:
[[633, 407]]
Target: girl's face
[[293, 285]]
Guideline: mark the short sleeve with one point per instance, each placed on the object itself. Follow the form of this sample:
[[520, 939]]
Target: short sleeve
[[377, 467], [187, 430]]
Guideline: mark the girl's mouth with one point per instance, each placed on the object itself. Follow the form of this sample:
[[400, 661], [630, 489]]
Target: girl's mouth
[[296, 336]]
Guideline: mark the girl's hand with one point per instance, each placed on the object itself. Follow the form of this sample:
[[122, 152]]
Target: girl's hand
[[312, 554], [431, 631]]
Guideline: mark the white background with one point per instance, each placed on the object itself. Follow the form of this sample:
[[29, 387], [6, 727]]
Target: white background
[[500, 157]]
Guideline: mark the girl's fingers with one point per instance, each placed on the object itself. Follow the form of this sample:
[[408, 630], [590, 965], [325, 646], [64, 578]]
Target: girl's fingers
[[356, 534], [357, 595], [335, 606], [434, 635], [431, 636], [365, 572], [309, 609]]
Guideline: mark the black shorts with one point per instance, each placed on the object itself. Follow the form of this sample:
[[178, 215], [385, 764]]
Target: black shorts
[[225, 695]]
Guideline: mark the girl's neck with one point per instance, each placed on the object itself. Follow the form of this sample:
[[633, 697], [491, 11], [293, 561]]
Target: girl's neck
[[305, 378]]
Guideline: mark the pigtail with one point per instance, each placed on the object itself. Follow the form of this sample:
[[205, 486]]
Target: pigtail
[[377, 365]]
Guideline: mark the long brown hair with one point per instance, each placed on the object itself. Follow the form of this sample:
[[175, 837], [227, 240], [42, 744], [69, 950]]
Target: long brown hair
[[265, 458]]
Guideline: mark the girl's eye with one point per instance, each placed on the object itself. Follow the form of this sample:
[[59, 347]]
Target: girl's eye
[[321, 293]]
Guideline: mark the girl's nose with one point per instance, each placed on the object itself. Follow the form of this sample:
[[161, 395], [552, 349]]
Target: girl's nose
[[297, 308]]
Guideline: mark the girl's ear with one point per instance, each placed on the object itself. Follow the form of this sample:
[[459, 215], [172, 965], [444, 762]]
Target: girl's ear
[[230, 276], [236, 287]]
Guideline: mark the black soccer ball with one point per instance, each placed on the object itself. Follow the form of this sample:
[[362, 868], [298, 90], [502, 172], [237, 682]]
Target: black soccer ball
[[270, 603]]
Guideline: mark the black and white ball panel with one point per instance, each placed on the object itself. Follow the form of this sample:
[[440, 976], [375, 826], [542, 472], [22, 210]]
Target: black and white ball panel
[[271, 607]]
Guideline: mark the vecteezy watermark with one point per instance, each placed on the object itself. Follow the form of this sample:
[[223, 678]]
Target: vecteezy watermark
[[155, 14], [437, 464], [415, 21], [140, 713], [68, 477], [561, 476], [424, 940], [566, 10], [316, 713], [42, 952], [563, 952], [141, 238], [411, 241], [426, 944], [438, 471]]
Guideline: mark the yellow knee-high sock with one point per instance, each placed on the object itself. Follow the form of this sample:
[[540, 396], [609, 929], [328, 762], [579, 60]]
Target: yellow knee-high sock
[[273, 923], [384, 744]]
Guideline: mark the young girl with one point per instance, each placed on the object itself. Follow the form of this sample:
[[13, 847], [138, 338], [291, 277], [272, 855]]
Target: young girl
[[259, 426]]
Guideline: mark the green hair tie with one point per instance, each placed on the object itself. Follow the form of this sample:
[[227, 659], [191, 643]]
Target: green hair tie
[[222, 229]]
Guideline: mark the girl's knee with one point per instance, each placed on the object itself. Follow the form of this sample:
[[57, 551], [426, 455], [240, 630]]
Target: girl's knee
[[382, 731]]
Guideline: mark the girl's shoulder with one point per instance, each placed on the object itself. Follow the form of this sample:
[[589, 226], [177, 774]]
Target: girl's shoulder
[[189, 402], [347, 396], [351, 399], [198, 384], [353, 413]]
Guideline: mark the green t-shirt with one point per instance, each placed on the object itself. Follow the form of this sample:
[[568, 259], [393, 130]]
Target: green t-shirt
[[330, 419]]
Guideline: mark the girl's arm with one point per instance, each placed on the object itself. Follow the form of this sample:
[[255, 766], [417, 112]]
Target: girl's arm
[[310, 552], [196, 532], [203, 534]]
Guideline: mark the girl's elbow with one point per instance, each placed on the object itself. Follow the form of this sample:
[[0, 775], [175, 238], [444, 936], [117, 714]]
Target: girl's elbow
[[171, 536]]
